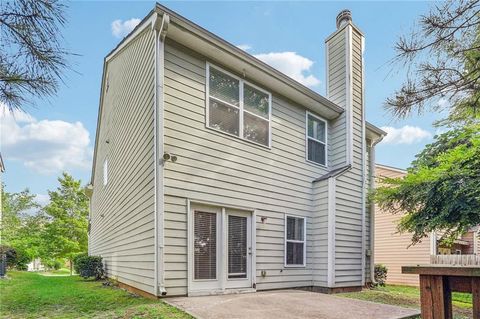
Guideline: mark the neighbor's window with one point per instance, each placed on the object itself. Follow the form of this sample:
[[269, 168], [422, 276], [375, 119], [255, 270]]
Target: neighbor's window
[[238, 108], [295, 240], [316, 139], [105, 172]]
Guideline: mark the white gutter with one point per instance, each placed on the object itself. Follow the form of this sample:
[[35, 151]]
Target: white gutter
[[160, 25]]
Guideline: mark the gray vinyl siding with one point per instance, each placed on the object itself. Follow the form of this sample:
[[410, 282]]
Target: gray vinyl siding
[[348, 193], [348, 227], [337, 93], [214, 167], [320, 233], [122, 212]]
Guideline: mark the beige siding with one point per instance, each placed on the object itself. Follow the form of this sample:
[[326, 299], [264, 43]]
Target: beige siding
[[273, 181], [122, 228], [391, 248]]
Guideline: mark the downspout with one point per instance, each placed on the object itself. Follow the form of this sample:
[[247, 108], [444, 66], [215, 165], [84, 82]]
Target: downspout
[[372, 210], [364, 150], [160, 25]]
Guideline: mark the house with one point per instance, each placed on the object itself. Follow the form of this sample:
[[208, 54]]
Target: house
[[215, 173], [394, 251]]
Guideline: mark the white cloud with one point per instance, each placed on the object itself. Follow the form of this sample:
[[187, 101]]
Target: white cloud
[[244, 47], [122, 28], [44, 146], [292, 64], [42, 199], [405, 135]]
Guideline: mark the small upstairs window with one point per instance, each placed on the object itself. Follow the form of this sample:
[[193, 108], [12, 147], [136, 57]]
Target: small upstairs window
[[316, 139], [238, 108], [105, 172]]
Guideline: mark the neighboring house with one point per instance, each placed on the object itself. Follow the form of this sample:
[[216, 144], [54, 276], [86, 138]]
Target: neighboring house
[[392, 249], [35, 265], [214, 173]]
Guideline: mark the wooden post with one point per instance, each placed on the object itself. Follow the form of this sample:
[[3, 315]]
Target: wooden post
[[436, 301], [476, 297]]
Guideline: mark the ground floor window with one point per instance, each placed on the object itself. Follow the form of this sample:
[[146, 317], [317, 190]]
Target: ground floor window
[[295, 241]]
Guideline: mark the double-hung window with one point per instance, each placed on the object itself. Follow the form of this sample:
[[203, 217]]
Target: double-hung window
[[237, 107], [316, 139], [295, 241]]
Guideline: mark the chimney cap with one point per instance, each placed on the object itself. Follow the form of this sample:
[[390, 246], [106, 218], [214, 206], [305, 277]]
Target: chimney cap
[[345, 16]]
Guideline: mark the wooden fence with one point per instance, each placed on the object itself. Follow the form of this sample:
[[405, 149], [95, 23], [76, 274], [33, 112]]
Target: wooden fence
[[456, 260]]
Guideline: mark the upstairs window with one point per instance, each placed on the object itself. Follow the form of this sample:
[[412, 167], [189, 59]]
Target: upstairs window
[[316, 139], [237, 107], [295, 241], [105, 172]]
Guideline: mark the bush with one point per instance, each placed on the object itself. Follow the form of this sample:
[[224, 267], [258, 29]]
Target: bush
[[55, 264], [77, 261], [15, 258], [89, 266], [381, 274]]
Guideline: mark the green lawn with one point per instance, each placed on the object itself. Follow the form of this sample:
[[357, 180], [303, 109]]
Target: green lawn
[[32, 295], [405, 296]]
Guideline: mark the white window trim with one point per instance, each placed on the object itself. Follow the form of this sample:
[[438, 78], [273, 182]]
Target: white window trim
[[296, 241], [105, 172], [239, 107], [307, 113]]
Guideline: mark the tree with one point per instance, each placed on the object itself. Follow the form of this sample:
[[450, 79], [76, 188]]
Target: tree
[[441, 191], [31, 55], [14, 207], [66, 231], [442, 58]]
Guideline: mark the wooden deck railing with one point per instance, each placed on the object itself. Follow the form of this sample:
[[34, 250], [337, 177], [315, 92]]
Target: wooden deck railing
[[456, 260]]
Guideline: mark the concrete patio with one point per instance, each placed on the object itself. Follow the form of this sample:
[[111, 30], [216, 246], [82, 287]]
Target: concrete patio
[[288, 304]]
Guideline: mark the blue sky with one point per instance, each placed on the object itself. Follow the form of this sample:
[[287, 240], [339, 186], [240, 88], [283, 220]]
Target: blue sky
[[60, 132]]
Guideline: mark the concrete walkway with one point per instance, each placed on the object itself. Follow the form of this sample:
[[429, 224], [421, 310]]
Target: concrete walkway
[[286, 304]]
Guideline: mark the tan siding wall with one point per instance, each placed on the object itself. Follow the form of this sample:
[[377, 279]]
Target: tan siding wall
[[391, 248], [274, 181], [124, 236]]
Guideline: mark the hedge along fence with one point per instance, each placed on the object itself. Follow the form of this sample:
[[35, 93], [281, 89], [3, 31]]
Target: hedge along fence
[[89, 266]]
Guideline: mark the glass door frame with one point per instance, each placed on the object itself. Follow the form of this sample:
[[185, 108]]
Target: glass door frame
[[222, 284]]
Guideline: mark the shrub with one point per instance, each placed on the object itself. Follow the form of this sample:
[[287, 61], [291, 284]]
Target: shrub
[[89, 266], [15, 258], [381, 274], [77, 261], [55, 264]]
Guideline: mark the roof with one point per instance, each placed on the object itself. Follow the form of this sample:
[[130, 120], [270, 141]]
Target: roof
[[333, 173], [391, 168]]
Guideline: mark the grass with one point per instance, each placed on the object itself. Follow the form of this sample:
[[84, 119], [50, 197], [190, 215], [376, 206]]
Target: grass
[[409, 297], [32, 295], [59, 272]]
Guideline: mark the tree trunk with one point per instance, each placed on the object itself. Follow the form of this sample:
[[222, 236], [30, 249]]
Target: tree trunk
[[71, 267]]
